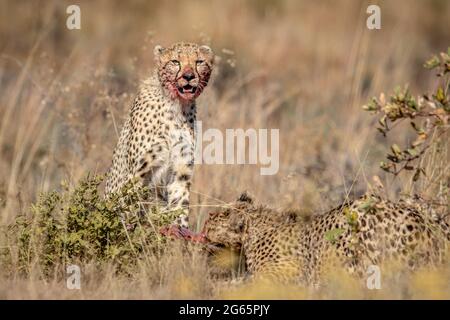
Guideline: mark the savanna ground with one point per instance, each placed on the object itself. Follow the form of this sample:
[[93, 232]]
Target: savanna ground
[[305, 68]]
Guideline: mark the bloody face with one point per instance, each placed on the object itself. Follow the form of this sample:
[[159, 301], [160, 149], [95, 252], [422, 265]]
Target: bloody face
[[184, 69]]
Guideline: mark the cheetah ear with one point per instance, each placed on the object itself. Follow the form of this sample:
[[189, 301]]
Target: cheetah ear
[[158, 50], [205, 49], [291, 215], [245, 197]]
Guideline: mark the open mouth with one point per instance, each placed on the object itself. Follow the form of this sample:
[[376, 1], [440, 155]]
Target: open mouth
[[214, 248], [187, 89]]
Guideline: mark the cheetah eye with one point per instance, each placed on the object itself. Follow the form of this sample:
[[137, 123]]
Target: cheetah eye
[[239, 227], [175, 61], [199, 61]]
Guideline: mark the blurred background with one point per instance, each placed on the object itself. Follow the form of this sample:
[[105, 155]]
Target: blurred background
[[303, 67]]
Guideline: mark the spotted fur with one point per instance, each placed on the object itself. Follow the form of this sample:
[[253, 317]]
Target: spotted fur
[[368, 231], [157, 143]]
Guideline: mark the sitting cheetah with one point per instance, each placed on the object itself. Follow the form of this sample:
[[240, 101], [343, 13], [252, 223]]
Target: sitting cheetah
[[364, 232], [156, 144]]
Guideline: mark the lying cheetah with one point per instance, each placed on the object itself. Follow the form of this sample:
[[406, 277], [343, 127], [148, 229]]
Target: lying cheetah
[[368, 231], [156, 144]]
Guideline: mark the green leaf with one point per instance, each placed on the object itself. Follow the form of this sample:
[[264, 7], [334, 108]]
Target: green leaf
[[440, 96], [382, 121], [333, 234], [432, 63], [396, 149], [366, 205], [412, 152], [384, 166], [351, 216]]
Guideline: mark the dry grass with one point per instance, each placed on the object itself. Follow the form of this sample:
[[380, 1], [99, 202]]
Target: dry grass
[[303, 67]]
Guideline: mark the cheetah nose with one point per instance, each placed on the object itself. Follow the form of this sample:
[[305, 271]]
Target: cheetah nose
[[189, 75]]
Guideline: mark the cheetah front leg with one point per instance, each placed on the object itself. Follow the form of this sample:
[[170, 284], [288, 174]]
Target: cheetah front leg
[[152, 169], [178, 191], [169, 172], [172, 180], [152, 165]]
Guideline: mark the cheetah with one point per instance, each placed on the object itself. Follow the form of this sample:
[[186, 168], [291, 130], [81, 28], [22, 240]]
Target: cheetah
[[364, 232], [157, 142]]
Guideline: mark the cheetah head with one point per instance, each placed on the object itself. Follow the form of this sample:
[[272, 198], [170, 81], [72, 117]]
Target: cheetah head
[[228, 226], [184, 69], [234, 225]]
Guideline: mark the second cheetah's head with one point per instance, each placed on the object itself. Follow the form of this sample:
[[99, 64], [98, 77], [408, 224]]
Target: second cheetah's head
[[184, 69], [234, 225], [227, 227]]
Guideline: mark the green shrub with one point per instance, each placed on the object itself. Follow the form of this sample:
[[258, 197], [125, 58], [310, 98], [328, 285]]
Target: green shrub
[[79, 225], [424, 160], [428, 114]]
